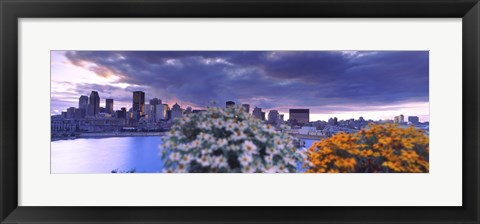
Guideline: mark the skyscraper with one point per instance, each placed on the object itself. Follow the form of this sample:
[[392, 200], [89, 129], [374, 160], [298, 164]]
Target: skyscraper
[[94, 104], [399, 119], [246, 107], [273, 116], [153, 108], [83, 102], [176, 111], [300, 115], [109, 106], [138, 102], [257, 113], [229, 104]]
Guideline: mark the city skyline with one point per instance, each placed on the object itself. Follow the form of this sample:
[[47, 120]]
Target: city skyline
[[375, 85]]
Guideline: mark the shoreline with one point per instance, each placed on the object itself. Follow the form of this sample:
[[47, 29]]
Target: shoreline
[[108, 135]]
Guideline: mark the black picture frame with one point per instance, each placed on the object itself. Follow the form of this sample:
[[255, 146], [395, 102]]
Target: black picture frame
[[12, 10]]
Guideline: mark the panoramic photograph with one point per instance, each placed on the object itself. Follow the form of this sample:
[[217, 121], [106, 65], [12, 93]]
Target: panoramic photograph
[[239, 112]]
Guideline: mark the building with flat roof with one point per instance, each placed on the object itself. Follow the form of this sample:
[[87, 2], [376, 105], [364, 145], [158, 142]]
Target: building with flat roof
[[300, 115]]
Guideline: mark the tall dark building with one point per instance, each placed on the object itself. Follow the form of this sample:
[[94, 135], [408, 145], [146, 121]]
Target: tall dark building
[[138, 102], [153, 113], [246, 107], [257, 113], [300, 115], [109, 106], [94, 104], [229, 104], [83, 102]]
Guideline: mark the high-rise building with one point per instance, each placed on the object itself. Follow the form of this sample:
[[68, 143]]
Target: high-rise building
[[176, 111], [230, 104], [413, 119], [257, 113], [273, 116], [263, 116], [399, 119], [155, 101], [109, 106], [246, 107], [300, 115], [83, 102], [153, 108], [94, 104], [161, 112], [138, 102]]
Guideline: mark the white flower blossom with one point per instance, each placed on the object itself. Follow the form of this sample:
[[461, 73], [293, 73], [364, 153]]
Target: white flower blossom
[[248, 169], [204, 160], [249, 147], [245, 159], [222, 142], [220, 161], [175, 156], [238, 135]]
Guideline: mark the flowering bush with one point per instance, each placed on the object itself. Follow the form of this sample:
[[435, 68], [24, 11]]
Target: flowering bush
[[379, 148], [227, 140]]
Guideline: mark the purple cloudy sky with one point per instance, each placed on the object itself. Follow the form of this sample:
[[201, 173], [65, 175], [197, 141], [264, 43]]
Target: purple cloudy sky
[[345, 84]]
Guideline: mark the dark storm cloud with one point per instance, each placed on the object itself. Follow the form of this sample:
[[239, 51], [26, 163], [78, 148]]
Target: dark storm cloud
[[268, 79]]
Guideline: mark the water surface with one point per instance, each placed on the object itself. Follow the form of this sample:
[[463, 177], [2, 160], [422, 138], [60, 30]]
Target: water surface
[[102, 155]]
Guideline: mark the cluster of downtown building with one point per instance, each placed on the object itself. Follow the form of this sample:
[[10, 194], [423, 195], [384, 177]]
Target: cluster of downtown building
[[89, 117]]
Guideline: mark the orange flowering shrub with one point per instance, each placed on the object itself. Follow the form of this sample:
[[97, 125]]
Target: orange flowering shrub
[[376, 149]]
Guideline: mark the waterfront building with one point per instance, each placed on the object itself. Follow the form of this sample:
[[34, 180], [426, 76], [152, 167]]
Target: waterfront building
[[230, 104], [149, 116], [109, 106], [63, 126], [153, 108], [162, 112], [83, 102], [138, 102], [80, 113], [93, 104], [399, 119], [257, 113], [300, 115], [70, 113], [273, 116], [263, 116], [121, 113], [176, 111], [413, 119], [198, 111], [246, 107]]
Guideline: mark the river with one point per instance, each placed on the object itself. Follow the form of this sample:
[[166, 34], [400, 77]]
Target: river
[[102, 155]]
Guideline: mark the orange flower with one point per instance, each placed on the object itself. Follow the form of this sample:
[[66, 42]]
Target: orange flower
[[394, 148]]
